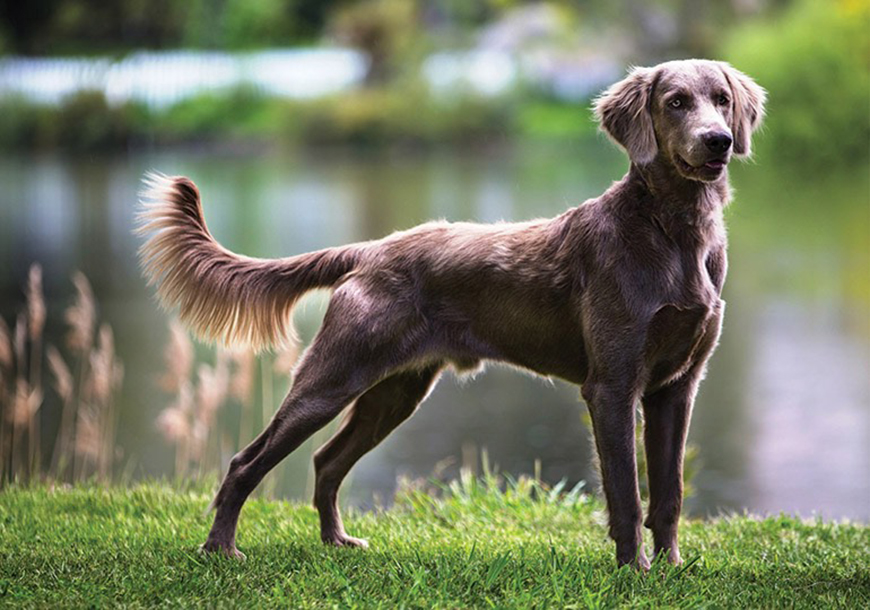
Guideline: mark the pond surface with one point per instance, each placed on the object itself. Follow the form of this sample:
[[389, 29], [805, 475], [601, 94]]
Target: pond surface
[[782, 421]]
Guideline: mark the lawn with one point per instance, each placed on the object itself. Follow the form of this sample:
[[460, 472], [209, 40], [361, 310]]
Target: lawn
[[473, 546]]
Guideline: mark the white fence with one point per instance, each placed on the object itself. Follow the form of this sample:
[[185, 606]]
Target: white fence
[[163, 78]]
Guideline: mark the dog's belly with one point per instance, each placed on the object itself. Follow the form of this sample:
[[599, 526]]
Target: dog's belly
[[565, 360], [551, 352], [521, 319], [678, 337]]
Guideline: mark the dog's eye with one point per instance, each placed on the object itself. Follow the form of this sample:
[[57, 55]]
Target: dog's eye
[[675, 103], [723, 99]]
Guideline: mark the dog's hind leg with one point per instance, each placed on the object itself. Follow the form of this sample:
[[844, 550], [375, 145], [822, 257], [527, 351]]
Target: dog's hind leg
[[369, 421], [350, 354], [302, 413]]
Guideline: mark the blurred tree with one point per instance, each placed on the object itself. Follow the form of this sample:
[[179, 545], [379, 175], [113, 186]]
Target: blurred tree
[[65, 26], [24, 21], [814, 60], [665, 29], [386, 30], [256, 23], [311, 16], [472, 13], [87, 26], [202, 27]]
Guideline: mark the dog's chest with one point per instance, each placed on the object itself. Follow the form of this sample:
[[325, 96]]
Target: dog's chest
[[683, 328]]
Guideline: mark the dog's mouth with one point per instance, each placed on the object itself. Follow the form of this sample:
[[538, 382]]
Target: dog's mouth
[[716, 164], [710, 168]]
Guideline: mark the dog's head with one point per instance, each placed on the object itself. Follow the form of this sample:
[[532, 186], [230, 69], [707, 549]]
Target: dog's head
[[693, 114]]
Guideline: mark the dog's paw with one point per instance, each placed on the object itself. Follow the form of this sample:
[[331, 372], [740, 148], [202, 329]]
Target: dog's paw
[[638, 561], [670, 554], [210, 548], [643, 564], [345, 540]]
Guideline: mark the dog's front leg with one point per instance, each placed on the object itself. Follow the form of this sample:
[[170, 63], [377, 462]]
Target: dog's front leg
[[667, 412], [612, 407], [666, 423]]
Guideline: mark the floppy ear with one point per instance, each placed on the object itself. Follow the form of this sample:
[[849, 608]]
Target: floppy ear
[[749, 100], [624, 113]]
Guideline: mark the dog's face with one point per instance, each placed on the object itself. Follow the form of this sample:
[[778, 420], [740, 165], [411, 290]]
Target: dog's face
[[692, 114]]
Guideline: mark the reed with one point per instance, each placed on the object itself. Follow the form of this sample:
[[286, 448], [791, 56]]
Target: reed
[[35, 326], [98, 426], [81, 319], [175, 424], [64, 385], [242, 390], [179, 358], [190, 418], [6, 371], [210, 414], [211, 394], [86, 375], [85, 440]]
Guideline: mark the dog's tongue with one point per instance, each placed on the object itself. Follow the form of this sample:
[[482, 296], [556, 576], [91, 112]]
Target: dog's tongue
[[715, 164]]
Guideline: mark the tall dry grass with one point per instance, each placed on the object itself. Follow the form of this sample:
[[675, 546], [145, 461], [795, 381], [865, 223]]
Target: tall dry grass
[[210, 410], [85, 442]]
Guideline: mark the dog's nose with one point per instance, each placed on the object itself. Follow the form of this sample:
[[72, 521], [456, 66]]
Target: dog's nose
[[718, 142]]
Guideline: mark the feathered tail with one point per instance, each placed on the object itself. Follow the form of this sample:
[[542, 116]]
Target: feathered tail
[[222, 296]]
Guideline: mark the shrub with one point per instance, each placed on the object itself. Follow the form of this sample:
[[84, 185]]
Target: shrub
[[813, 60], [83, 121], [24, 124], [405, 114], [216, 114]]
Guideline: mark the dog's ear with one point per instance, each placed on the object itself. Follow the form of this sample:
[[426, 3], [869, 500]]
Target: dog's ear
[[624, 113], [749, 100]]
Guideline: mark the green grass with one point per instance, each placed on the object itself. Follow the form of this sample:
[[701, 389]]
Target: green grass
[[472, 547]]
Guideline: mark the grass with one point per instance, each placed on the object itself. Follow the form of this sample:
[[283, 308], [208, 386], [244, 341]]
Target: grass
[[474, 546]]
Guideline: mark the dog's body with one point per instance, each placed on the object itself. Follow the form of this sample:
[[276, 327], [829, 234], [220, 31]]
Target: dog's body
[[620, 295]]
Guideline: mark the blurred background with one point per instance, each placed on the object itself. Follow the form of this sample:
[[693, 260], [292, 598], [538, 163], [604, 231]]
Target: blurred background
[[312, 123]]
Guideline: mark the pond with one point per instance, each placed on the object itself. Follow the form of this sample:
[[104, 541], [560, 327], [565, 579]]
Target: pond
[[782, 421]]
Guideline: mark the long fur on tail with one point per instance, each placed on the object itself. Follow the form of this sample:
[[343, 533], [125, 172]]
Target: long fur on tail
[[220, 295]]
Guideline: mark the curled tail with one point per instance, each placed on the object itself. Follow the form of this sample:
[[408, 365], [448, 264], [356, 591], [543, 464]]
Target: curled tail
[[220, 295]]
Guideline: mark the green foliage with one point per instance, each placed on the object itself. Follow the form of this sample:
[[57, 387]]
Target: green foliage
[[372, 116], [398, 115], [24, 124], [87, 122], [257, 23], [545, 120], [474, 546], [88, 26], [814, 60], [84, 121], [240, 111], [387, 31]]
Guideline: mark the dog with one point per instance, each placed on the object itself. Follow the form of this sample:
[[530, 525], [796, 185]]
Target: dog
[[620, 295]]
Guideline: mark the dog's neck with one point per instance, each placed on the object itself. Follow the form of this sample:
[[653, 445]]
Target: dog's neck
[[673, 199]]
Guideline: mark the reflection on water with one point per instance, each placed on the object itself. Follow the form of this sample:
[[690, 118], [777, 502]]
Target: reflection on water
[[813, 454], [782, 421]]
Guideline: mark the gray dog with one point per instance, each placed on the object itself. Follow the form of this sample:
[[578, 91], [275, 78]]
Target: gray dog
[[620, 295]]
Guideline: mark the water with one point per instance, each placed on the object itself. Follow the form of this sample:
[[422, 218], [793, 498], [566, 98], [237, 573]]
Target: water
[[782, 421]]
